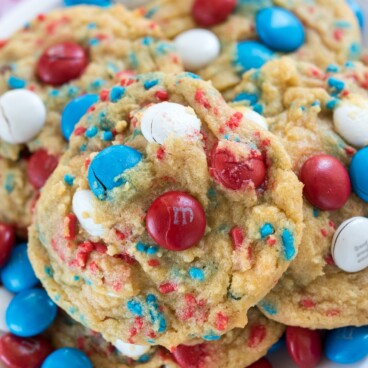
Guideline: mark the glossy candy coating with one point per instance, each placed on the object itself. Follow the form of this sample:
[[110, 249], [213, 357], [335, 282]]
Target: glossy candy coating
[[304, 346], [18, 275], [176, 221], [326, 182], [74, 111], [280, 29], [355, 7], [209, 13], [262, 363], [359, 174], [40, 166], [40, 313], [61, 63], [18, 352], [107, 167], [7, 240], [190, 356], [67, 357]]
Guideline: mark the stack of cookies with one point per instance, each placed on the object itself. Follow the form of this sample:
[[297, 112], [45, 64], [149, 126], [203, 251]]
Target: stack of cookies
[[187, 180]]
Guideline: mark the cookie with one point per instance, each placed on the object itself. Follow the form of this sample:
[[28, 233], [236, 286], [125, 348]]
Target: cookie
[[320, 117], [70, 52], [321, 32], [180, 221], [238, 348]]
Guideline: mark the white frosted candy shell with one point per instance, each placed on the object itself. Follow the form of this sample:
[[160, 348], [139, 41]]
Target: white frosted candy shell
[[351, 122], [350, 245], [83, 208], [5, 299], [197, 48], [131, 350], [256, 118], [161, 120], [22, 116]]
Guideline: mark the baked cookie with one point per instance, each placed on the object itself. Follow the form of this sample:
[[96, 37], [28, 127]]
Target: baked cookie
[[321, 32], [237, 349], [321, 118], [169, 216], [70, 52]]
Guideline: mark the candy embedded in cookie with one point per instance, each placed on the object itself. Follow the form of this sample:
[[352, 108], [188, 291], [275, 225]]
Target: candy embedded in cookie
[[157, 235], [251, 33], [320, 117]]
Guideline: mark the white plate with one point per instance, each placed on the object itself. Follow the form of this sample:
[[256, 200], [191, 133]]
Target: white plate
[[28, 9]]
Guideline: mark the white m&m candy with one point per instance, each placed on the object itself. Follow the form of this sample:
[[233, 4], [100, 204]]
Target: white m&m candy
[[253, 116], [84, 210], [197, 48], [5, 299], [351, 122], [22, 116], [160, 121], [350, 245], [131, 350]]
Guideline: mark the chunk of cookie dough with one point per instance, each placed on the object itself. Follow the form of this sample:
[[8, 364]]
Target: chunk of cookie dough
[[237, 349], [112, 44], [316, 112], [331, 33], [180, 222]]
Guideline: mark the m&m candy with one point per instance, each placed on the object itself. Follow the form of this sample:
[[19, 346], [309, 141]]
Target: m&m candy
[[22, 116], [208, 13], [189, 356], [88, 2], [30, 313], [61, 63], [176, 221], [326, 182], [5, 298], [262, 363], [359, 174], [131, 350], [67, 357], [18, 352], [18, 275], [7, 240]]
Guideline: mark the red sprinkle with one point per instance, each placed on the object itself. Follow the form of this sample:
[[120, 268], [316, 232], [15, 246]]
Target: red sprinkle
[[307, 303], [153, 262], [167, 288], [79, 130], [237, 237], [71, 226], [234, 120], [256, 335], [104, 95], [221, 321], [162, 95], [201, 98], [160, 154]]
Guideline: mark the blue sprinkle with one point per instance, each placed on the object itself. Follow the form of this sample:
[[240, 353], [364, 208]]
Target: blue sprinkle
[[355, 50], [135, 307], [54, 93], [48, 271], [147, 41], [107, 136], [266, 230], [76, 278], [94, 41], [211, 337], [150, 83], [69, 179], [72, 310], [196, 273], [258, 108], [268, 308], [349, 64], [332, 103], [73, 91], [150, 13], [134, 60], [337, 84], [252, 98], [83, 148], [152, 250], [192, 75], [116, 93], [91, 26], [88, 282], [288, 244], [315, 212], [144, 358], [91, 132], [97, 84], [141, 247], [57, 297], [316, 103], [332, 68], [150, 298], [9, 183], [163, 48], [16, 82]]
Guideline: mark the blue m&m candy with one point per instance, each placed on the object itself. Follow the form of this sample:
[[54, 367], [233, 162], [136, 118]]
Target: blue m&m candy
[[107, 168], [30, 313], [87, 2], [359, 174], [355, 7], [67, 357], [251, 54], [279, 29], [74, 111], [18, 275], [277, 345], [347, 345]]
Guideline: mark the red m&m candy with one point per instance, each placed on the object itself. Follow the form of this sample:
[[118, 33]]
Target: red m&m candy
[[61, 63], [304, 346], [176, 221], [7, 240], [208, 13], [18, 352], [190, 356], [262, 363], [326, 182], [40, 166], [236, 174]]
